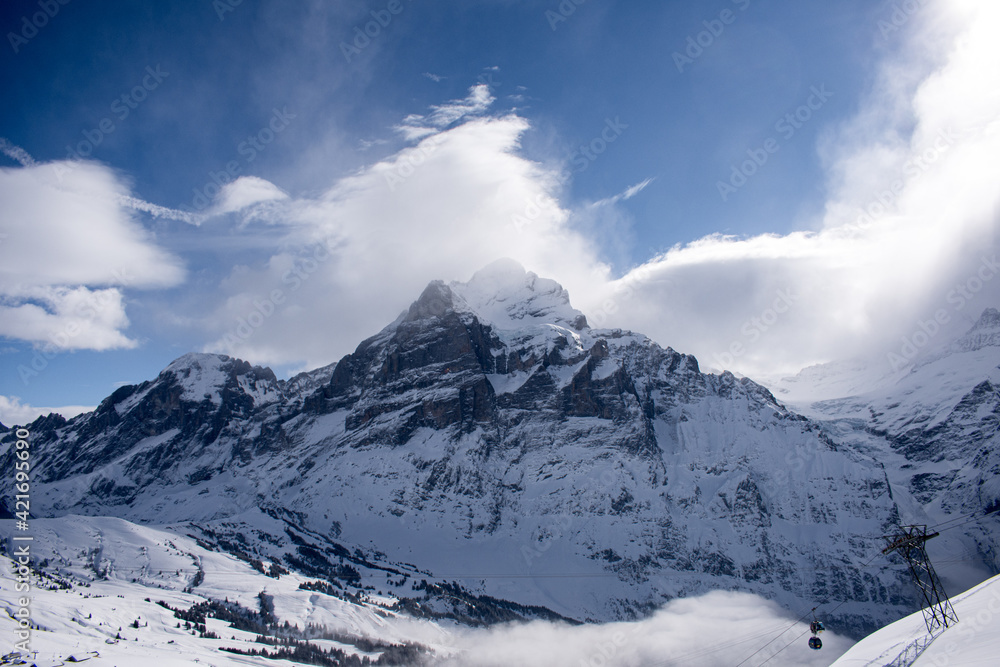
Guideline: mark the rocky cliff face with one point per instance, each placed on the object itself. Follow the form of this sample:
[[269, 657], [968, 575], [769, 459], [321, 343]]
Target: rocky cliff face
[[491, 439]]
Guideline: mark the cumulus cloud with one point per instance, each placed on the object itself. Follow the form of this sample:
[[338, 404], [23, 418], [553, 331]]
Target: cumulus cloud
[[719, 628], [911, 216], [68, 250], [68, 318], [15, 413]]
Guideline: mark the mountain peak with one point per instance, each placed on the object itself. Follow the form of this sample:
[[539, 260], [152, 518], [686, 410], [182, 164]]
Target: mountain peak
[[201, 374], [504, 271], [434, 301], [503, 294], [984, 333], [510, 297], [204, 375], [990, 319]]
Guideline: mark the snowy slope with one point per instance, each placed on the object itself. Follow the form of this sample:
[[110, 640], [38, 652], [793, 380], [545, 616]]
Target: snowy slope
[[96, 579], [973, 641], [102, 575]]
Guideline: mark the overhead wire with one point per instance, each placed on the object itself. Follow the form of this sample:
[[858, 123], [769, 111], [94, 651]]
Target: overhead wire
[[965, 519], [776, 637], [799, 620]]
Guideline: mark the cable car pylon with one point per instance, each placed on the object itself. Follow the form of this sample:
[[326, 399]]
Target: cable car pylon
[[910, 542]]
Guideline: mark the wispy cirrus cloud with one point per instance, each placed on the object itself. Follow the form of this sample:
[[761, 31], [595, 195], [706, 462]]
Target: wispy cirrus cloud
[[418, 126]]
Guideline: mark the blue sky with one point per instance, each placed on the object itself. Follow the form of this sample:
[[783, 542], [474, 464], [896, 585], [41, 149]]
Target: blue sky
[[605, 60], [121, 119]]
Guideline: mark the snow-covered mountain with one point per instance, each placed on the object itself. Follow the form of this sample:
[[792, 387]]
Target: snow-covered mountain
[[489, 456], [936, 427]]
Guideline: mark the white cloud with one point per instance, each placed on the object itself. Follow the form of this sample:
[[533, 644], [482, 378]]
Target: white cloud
[[74, 318], [912, 212], [717, 629], [16, 153], [68, 249], [244, 192], [14, 413], [137, 204], [362, 251]]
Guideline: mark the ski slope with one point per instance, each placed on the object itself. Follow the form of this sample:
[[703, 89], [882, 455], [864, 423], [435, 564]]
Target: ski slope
[[974, 641]]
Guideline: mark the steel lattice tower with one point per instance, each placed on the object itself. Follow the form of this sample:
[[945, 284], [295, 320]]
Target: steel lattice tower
[[911, 542]]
